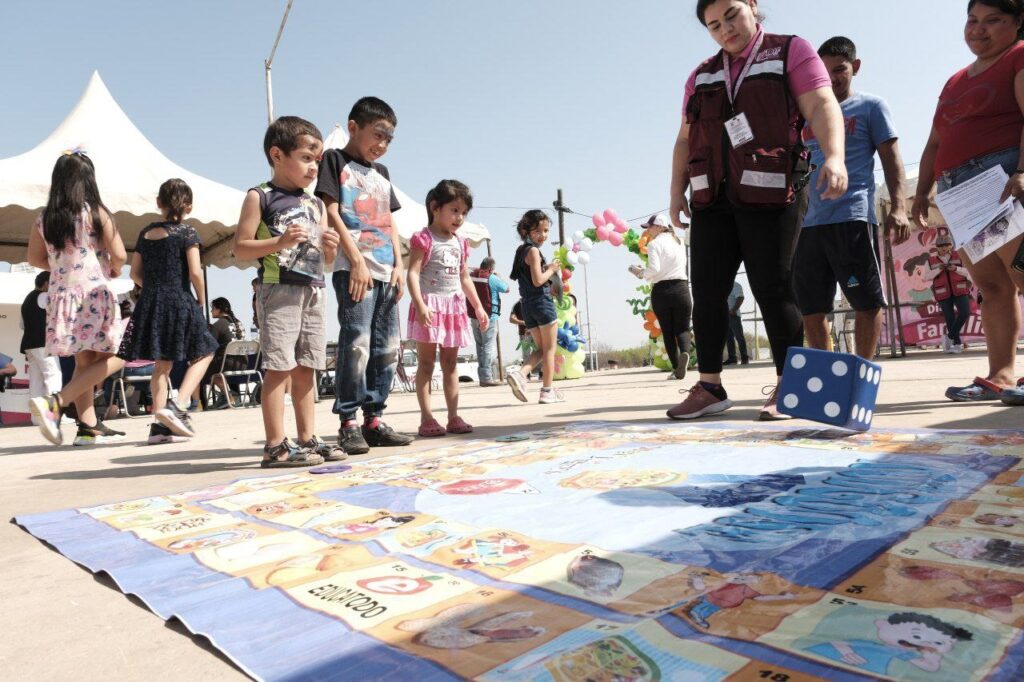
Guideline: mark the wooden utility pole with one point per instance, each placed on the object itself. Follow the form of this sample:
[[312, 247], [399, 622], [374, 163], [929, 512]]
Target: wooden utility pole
[[562, 210]]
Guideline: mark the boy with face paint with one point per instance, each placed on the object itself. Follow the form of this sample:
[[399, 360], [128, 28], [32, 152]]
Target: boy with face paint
[[368, 275], [839, 239], [918, 639]]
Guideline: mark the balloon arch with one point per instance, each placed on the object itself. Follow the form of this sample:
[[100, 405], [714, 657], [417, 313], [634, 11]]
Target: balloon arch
[[607, 227]]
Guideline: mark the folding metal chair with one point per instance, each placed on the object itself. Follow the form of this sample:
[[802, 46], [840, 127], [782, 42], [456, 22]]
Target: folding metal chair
[[247, 395], [120, 390]]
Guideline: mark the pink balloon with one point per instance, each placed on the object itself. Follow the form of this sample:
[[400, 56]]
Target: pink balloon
[[576, 248], [603, 232], [566, 275], [599, 220], [610, 216], [621, 225], [615, 239]]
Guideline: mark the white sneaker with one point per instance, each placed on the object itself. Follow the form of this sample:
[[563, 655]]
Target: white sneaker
[[956, 348], [946, 344], [518, 385], [551, 395]]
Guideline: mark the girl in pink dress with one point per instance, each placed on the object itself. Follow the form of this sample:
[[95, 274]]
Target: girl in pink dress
[[440, 287], [76, 240]]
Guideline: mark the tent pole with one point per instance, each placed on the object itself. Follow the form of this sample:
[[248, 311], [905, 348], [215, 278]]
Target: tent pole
[[497, 333], [206, 292], [270, 60]]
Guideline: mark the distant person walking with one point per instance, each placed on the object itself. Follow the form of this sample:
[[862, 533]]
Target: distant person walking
[[489, 288], [670, 293], [44, 376], [952, 290], [736, 333]]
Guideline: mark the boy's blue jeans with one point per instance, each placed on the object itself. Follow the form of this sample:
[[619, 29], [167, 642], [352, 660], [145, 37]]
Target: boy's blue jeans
[[368, 347]]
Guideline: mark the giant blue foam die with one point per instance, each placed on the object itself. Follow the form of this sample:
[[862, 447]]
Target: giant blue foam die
[[832, 388]]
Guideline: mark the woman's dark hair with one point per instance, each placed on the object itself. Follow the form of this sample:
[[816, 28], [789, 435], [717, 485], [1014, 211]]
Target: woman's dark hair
[[446, 192], [72, 187], [1015, 8], [224, 305], [529, 222], [175, 197], [702, 7]]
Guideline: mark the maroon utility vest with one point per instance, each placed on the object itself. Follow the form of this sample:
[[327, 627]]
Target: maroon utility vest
[[948, 283], [770, 170]]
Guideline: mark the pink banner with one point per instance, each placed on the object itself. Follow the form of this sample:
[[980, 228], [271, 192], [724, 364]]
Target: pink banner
[[923, 323]]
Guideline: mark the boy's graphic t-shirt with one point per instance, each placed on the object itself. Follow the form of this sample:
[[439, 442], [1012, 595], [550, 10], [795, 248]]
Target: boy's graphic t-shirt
[[302, 264], [366, 201], [869, 124]]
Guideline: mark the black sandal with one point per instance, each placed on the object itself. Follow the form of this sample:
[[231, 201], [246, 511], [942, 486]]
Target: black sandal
[[295, 456]]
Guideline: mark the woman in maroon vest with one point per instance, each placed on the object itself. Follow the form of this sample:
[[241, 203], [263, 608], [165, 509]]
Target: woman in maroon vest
[[952, 291], [739, 152], [978, 124]]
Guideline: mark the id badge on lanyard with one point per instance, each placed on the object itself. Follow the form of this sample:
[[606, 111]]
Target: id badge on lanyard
[[738, 127]]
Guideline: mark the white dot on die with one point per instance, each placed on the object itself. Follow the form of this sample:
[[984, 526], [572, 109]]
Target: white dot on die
[[798, 361], [832, 409], [853, 412], [791, 401], [814, 384], [839, 368], [870, 373], [878, 376], [867, 419], [863, 371]]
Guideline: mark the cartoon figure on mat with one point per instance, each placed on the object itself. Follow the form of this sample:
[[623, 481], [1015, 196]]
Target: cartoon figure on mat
[[596, 576], [731, 594], [916, 638], [988, 593], [498, 550], [988, 550], [381, 523], [466, 625], [749, 491], [1001, 520]]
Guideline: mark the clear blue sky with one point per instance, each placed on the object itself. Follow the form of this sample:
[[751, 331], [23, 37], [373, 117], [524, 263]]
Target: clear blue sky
[[515, 99]]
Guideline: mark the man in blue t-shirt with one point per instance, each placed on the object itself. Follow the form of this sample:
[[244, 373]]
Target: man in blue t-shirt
[[839, 242], [486, 341]]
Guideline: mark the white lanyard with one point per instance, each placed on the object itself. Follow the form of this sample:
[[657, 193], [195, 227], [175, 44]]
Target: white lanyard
[[743, 72]]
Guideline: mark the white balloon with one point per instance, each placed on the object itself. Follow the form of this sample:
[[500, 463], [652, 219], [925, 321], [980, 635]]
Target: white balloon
[[586, 244], [578, 236], [583, 257], [572, 257]]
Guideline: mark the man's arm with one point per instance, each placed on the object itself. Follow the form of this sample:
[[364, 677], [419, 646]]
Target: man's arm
[[897, 225]]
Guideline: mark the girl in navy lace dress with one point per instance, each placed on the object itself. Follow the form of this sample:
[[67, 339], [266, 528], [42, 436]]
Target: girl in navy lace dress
[[168, 323]]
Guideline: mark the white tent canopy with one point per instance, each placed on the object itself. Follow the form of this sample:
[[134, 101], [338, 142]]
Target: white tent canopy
[[129, 171], [413, 216]]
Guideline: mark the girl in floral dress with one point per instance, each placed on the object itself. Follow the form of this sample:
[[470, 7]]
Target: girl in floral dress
[[76, 240]]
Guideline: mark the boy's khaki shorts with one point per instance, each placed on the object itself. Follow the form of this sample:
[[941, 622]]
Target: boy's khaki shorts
[[293, 326]]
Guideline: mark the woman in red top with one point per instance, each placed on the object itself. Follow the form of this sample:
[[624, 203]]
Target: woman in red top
[[979, 124], [740, 155]]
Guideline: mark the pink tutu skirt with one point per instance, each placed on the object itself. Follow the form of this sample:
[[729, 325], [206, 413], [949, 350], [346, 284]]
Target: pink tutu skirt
[[451, 324]]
